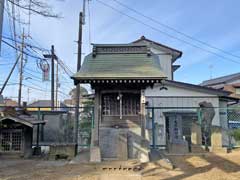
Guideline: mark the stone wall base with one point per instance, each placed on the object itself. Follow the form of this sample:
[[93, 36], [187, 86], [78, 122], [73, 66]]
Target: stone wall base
[[95, 155]]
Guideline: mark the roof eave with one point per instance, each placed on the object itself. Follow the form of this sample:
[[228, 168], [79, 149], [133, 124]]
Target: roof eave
[[87, 79], [199, 88]]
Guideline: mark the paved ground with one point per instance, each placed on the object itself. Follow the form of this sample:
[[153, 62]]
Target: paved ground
[[207, 167]]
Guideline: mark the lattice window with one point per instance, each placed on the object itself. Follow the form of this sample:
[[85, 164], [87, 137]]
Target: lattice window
[[11, 141], [130, 104], [110, 104], [6, 141], [16, 141]]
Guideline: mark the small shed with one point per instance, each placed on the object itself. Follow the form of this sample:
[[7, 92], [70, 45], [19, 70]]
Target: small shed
[[16, 134]]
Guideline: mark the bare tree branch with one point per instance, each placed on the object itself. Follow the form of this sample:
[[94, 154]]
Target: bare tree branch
[[38, 7]]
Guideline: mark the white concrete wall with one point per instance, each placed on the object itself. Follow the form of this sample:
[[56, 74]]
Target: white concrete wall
[[179, 98]]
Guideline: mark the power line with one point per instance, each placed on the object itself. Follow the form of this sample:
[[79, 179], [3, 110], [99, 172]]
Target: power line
[[19, 50], [66, 69], [32, 75], [167, 34], [26, 44], [6, 64], [33, 71], [175, 30]]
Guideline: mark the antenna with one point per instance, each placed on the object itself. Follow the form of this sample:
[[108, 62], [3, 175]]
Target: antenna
[[83, 12], [211, 70]]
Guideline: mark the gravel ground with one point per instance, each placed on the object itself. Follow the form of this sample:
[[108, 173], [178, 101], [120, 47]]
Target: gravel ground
[[207, 167]]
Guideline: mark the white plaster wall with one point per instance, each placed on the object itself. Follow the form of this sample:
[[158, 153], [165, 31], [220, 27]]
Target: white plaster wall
[[173, 91], [183, 98], [165, 61]]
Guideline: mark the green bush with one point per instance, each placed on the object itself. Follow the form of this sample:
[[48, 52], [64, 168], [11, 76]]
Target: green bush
[[236, 134]]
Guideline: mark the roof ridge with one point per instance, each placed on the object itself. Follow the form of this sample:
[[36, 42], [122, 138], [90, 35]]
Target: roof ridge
[[144, 38], [230, 76]]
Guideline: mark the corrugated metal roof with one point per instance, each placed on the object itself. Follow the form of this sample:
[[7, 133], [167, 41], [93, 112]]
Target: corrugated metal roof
[[220, 80], [120, 66]]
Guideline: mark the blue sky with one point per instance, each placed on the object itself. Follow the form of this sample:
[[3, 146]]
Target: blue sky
[[214, 22]]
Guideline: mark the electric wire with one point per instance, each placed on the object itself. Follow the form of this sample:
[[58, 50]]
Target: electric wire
[[167, 34]]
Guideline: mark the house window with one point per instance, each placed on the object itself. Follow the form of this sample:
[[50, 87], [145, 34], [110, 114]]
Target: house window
[[237, 91], [120, 104]]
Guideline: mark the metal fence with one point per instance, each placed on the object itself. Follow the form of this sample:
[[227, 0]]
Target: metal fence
[[60, 125], [165, 123]]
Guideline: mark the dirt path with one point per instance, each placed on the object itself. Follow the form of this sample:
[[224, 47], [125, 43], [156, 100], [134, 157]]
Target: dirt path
[[207, 167]]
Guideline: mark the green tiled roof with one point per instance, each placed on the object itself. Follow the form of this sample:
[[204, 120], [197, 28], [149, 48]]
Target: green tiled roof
[[120, 66]]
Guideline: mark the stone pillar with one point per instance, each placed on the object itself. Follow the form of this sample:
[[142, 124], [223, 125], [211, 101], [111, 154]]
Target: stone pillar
[[95, 130], [196, 138], [196, 134], [216, 140], [95, 152]]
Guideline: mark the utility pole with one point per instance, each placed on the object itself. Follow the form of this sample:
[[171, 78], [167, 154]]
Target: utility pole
[[56, 95], [9, 75], [52, 56], [79, 59], [21, 71], [28, 91], [52, 77], [1, 19]]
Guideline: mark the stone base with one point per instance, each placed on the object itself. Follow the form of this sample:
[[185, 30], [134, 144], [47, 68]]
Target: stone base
[[218, 149], [95, 155], [197, 149], [178, 148]]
